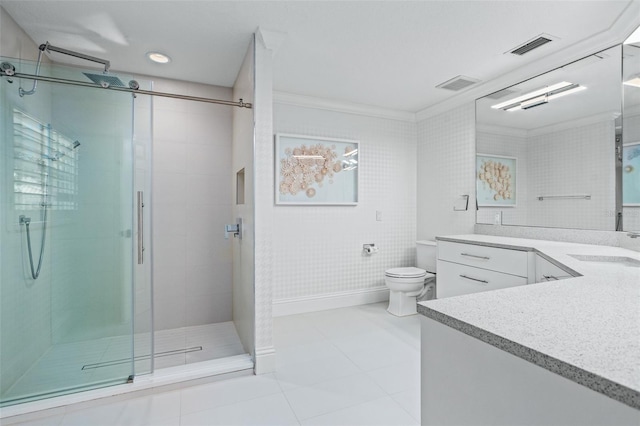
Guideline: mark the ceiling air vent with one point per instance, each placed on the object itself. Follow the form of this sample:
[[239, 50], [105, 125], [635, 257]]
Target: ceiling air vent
[[530, 45], [501, 94], [458, 83]]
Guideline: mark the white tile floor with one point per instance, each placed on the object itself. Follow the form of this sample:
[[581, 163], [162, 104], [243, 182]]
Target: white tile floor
[[351, 366]]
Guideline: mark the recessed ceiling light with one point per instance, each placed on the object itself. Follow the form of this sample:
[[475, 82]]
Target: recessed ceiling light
[[158, 57]]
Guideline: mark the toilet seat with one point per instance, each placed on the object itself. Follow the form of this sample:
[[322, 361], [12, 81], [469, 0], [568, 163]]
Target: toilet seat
[[409, 272]]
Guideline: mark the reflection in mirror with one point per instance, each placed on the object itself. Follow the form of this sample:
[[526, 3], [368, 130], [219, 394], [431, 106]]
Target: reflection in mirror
[[561, 128], [630, 167]]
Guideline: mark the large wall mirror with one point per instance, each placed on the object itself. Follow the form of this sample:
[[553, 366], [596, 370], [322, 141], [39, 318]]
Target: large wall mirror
[[550, 148], [630, 154]]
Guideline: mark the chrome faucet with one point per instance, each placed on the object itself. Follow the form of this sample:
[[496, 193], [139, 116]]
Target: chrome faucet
[[633, 234]]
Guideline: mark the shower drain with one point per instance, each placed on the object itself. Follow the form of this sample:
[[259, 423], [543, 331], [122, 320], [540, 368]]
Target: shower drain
[[140, 358]]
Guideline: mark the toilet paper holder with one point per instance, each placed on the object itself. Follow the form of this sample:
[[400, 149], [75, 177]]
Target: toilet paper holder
[[369, 249]]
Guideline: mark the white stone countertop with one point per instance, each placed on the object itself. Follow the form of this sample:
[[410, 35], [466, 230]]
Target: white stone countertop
[[585, 328]]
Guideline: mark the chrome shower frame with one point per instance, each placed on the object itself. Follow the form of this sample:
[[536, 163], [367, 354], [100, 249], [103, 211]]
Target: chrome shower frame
[[46, 47], [9, 71]]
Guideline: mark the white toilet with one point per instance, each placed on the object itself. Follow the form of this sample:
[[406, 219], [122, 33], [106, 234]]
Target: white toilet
[[406, 284]]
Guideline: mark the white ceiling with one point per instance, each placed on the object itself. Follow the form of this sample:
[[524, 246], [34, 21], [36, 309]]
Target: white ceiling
[[389, 54]]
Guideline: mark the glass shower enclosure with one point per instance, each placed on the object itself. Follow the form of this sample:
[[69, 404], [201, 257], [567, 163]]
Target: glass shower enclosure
[[71, 165]]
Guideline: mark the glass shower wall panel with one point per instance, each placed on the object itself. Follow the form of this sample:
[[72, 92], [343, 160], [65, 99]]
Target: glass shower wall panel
[[25, 309], [72, 328]]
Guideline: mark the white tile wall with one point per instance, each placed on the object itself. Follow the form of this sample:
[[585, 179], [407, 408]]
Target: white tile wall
[[549, 173], [191, 204], [446, 170], [317, 250]]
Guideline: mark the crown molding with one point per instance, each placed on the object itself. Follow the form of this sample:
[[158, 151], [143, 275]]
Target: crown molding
[[501, 130], [341, 106], [609, 116], [270, 40], [623, 26]]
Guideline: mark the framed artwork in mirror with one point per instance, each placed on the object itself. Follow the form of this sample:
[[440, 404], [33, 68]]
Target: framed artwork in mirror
[[631, 174], [496, 180], [316, 170]]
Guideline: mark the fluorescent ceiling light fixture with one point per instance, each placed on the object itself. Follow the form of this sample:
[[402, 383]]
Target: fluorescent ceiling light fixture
[[533, 94], [159, 58], [534, 102], [540, 96], [513, 108], [633, 81], [560, 93]]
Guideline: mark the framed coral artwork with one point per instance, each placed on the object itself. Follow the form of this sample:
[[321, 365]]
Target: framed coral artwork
[[496, 180], [316, 170], [631, 174]]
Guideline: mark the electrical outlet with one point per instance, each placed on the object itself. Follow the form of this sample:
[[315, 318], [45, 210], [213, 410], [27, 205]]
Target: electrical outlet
[[378, 215]]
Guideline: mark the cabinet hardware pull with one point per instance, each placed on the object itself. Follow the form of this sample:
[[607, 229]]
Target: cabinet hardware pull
[[474, 279], [550, 278], [476, 256]]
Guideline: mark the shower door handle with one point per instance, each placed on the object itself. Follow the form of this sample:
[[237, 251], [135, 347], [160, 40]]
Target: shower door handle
[[140, 228]]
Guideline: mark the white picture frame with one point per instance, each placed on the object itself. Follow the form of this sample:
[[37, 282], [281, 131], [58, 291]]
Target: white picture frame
[[489, 191], [313, 170]]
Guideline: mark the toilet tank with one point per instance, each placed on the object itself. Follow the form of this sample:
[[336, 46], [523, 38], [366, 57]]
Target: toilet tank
[[426, 255]]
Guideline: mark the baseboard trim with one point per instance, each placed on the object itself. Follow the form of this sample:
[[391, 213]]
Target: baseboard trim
[[265, 360], [321, 302]]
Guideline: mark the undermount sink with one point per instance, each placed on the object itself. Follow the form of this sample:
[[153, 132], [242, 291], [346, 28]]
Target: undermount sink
[[615, 260]]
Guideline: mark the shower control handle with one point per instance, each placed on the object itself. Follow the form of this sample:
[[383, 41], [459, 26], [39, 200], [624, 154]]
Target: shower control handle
[[235, 229]]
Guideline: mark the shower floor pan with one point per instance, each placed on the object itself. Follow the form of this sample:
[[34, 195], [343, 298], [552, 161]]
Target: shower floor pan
[[78, 364]]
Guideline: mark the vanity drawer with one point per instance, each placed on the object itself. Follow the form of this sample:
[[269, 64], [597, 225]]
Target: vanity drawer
[[456, 280], [547, 271], [513, 262]]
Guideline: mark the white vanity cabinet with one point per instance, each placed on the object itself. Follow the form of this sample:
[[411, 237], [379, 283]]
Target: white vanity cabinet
[[547, 271], [470, 268]]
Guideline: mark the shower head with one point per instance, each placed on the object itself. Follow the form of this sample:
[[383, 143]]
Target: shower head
[[76, 144], [105, 80]]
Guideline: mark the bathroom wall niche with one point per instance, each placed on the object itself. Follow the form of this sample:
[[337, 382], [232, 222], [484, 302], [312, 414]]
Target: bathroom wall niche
[[561, 127]]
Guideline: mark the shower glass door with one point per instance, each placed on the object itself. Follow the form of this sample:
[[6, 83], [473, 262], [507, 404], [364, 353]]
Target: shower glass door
[[66, 177]]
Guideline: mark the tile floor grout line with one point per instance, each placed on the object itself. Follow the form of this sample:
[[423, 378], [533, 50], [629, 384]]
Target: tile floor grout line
[[289, 404]]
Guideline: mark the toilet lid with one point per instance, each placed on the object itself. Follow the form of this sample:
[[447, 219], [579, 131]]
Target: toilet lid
[[410, 272]]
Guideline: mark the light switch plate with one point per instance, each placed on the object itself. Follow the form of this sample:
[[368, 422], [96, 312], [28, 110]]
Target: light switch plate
[[497, 218], [379, 215]]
